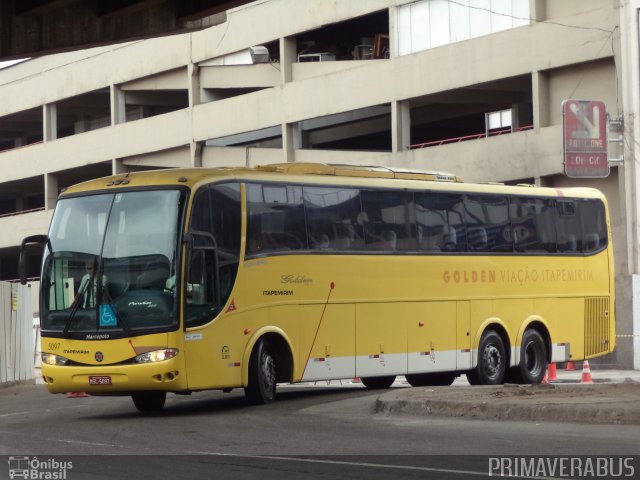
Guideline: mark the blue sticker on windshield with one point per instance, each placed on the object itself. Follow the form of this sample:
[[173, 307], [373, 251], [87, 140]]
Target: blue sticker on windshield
[[107, 316]]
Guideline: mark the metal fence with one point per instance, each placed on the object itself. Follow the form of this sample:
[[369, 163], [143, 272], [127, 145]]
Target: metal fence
[[17, 343]]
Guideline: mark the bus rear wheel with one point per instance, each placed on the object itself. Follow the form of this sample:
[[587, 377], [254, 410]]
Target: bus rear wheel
[[492, 361], [262, 375], [149, 401], [378, 383], [533, 358], [430, 379]]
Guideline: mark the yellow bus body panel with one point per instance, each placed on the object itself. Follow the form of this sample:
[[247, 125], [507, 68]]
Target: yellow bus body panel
[[117, 363]]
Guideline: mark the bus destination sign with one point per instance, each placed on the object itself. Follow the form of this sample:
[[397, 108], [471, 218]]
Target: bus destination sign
[[585, 139]]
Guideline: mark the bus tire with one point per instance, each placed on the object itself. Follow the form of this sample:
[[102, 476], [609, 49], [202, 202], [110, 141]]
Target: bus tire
[[431, 379], [378, 383], [149, 401], [533, 358], [492, 361], [262, 375]]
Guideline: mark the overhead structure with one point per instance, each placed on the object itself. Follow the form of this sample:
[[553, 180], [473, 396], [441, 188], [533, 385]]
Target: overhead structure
[[32, 27]]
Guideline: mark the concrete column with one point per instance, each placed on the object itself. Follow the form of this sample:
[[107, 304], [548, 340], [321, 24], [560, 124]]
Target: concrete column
[[393, 44], [20, 203], [400, 126], [50, 190], [81, 126], [291, 140], [49, 122], [193, 71], [118, 166], [630, 173], [195, 148], [118, 105], [520, 115], [628, 300], [537, 10], [288, 56], [540, 99], [195, 153]]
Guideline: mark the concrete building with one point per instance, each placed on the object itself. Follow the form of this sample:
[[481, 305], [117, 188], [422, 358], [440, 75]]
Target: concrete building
[[472, 87]]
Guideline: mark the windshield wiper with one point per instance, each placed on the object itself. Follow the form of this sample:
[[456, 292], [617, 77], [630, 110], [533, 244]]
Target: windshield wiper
[[76, 304]]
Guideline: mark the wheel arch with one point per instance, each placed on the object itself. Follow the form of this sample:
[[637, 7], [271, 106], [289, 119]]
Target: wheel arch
[[282, 352], [497, 325]]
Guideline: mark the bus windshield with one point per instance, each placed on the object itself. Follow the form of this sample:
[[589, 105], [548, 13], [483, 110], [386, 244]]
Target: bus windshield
[[110, 264]]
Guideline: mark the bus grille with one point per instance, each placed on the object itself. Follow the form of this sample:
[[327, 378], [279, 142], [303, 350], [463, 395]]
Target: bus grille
[[596, 326]]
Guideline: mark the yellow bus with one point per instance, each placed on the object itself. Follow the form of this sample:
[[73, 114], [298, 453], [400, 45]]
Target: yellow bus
[[194, 279]]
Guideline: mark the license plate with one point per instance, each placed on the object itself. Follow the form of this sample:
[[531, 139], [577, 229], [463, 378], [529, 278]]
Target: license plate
[[99, 380]]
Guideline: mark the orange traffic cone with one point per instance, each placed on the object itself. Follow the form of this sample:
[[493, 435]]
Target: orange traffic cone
[[570, 366], [586, 373], [545, 379], [552, 372], [77, 394]]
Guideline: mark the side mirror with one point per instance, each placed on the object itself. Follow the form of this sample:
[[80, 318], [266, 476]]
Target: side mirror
[[38, 239]]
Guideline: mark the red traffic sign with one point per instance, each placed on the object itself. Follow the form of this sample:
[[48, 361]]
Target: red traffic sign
[[585, 139]]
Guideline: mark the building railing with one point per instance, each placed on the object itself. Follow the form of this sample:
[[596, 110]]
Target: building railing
[[21, 212], [475, 136]]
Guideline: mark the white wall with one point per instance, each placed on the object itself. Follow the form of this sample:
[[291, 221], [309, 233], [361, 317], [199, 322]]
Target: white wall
[[17, 344]]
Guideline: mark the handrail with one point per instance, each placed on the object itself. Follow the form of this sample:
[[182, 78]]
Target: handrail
[[474, 136]]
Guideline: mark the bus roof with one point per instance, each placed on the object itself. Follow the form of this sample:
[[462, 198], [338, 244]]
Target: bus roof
[[298, 171]]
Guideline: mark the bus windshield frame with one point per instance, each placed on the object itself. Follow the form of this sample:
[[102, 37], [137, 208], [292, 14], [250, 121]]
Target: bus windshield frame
[[111, 262]]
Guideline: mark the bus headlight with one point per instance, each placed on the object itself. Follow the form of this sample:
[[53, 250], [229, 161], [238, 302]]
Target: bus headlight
[[157, 355], [51, 359]]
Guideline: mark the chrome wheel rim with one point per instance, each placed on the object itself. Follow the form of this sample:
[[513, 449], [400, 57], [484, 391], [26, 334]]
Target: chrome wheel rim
[[268, 372], [492, 361]]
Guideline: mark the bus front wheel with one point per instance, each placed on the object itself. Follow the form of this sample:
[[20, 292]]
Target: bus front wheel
[[492, 361], [149, 401], [262, 375], [378, 383]]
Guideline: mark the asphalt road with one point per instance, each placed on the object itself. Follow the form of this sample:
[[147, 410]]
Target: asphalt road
[[310, 431]]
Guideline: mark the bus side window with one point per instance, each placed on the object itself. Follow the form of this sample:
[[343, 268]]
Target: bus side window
[[488, 223], [592, 216], [533, 224], [568, 229], [389, 220], [275, 219], [440, 223], [336, 213]]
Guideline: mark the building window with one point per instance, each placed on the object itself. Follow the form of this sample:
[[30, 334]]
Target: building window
[[432, 23], [498, 122]]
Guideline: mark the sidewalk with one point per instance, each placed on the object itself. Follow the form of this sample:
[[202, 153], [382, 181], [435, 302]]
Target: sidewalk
[[613, 398], [598, 376]]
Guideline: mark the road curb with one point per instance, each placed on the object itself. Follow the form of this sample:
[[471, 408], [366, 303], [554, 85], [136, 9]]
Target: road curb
[[567, 403]]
